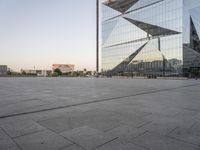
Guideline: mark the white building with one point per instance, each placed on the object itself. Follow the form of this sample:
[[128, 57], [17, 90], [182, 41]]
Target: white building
[[39, 73]]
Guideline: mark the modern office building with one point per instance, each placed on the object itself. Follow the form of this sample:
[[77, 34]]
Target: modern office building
[[3, 69], [64, 68], [151, 37]]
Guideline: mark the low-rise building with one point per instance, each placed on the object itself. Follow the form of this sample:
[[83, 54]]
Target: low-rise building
[[64, 68], [3, 69], [44, 73], [40, 73]]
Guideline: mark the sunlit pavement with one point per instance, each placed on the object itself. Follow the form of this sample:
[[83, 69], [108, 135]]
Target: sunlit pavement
[[99, 114]]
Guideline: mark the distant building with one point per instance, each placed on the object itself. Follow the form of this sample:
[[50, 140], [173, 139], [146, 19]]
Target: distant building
[[40, 73], [64, 68], [44, 73], [28, 71], [3, 69]]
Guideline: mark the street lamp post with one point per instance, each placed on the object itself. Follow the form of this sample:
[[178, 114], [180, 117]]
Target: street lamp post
[[97, 37]]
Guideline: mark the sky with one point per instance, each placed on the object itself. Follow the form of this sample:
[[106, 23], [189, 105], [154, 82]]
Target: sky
[[39, 33]]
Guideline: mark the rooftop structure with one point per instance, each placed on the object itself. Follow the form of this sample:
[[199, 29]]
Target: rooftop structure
[[64, 68]]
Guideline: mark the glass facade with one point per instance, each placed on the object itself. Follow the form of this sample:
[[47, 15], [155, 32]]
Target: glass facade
[[150, 37]]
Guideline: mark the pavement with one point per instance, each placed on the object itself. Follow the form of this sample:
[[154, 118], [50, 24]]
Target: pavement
[[99, 114]]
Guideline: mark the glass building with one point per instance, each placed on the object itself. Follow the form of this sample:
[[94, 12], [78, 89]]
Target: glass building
[[151, 37]]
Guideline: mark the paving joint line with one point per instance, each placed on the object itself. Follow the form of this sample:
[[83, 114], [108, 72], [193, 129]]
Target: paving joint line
[[105, 143], [144, 124], [145, 131], [168, 133], [95, 101], [132, 141]]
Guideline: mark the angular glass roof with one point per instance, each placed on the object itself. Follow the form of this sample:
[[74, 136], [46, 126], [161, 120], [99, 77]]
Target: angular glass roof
[[152, 29], [120, 5]]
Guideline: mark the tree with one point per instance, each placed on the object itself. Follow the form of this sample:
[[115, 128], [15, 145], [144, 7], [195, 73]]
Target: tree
[[9, 72], [58, 72], [23, 73]]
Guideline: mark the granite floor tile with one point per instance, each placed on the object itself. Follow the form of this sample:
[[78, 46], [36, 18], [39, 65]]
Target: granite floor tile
[[20, 128], [118, 145], [187, 135], [6, 142], [61, 124], [88, 137], [154, 141], [44, 140], [73, 147], [125, 133]]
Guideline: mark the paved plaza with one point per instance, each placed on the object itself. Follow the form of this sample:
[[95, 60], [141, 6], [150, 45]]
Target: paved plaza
[[99, 114]]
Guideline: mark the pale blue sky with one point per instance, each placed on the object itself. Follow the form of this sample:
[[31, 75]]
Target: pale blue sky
[[42, 32]]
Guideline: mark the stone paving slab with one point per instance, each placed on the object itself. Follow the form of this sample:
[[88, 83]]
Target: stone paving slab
[[125, 133], [46, 115], [96, 118], [162, 128], [184, 122], [19, 107], [11, 120], [196, 127], [187, 135], [73, 147], [155, 141], [119, 145], [39, 88], [6, 143], [61, 124], [102, 120], [88, 137], [126, 114], [20, 128], [44, 140], [108, 114]]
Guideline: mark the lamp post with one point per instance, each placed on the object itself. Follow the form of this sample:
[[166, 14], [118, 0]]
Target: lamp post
[[97, 37]]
